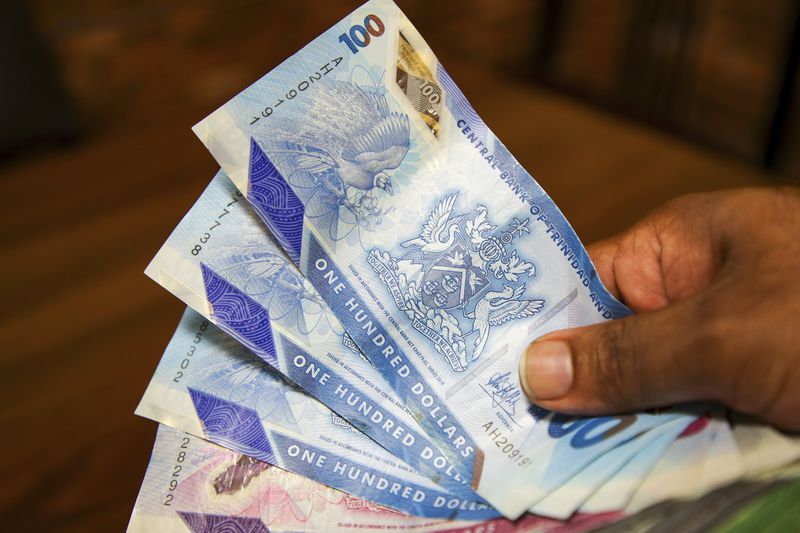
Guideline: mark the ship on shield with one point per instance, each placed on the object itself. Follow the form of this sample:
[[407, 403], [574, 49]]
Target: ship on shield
[[458, 278]]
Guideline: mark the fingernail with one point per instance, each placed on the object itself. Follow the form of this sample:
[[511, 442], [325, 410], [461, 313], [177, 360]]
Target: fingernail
[[545, 370]]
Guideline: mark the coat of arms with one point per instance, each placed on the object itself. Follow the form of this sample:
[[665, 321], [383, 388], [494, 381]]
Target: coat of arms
[[459, 278]]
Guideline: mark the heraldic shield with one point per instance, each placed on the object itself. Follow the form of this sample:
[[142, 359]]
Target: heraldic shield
[[460, 276], [451, 280]]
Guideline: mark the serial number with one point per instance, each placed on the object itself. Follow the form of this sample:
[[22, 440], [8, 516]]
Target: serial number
[[206, 236], [506, 446], [187, 358], [177, 468]]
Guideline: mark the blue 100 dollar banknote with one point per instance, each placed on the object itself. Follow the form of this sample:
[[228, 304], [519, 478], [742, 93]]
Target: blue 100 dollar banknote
[[221, 261], [440, 255], [209, 385]]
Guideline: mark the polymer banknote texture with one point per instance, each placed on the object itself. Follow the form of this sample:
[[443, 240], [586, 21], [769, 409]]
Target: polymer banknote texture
[[240, 280], [211, 386], [615, 468], [193, 485], [223, 263], [438, 253], [197, 486]]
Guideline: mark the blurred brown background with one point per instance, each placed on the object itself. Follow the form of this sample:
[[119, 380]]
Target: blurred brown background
[[615, 106]]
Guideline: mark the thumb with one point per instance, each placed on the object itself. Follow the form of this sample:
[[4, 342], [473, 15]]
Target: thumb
[[642, 361]]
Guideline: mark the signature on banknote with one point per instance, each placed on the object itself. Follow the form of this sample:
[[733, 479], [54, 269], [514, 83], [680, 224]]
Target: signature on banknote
[[503, 391]]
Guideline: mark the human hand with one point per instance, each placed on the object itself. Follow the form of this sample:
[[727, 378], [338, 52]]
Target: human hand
[[715, 281]]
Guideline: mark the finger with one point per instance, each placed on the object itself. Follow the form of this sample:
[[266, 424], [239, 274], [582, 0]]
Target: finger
[[630, 266], [602, 254], [647, 360]]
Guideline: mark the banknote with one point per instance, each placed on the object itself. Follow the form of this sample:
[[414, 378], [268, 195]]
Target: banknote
[[612, 471], [193, 485], [724, 463], [440, 255], [709, 454], [768, 457], [209, 385], [221, 261], [762, 447], [617, 492], [703, 458], [197, 486]]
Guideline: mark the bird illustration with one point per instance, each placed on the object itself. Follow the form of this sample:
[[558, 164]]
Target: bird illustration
[[497, 308], [439, 231], [348, 136]]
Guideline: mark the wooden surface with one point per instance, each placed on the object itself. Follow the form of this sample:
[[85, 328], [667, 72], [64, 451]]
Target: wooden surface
[[82, 328]]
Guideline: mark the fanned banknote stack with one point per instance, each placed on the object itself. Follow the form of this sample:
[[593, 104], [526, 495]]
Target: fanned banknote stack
[[361, 277]]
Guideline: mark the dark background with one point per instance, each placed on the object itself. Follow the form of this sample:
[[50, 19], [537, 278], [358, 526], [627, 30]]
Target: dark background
[[614, 105]]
